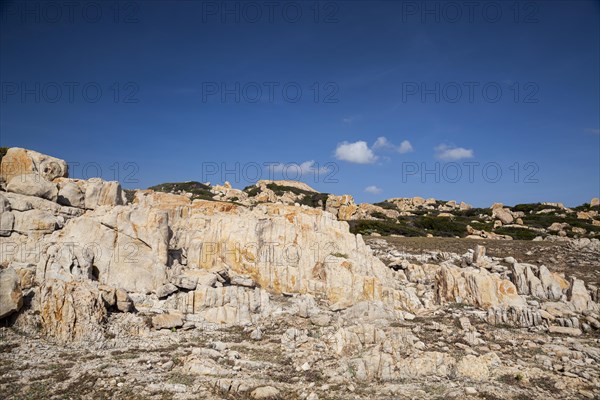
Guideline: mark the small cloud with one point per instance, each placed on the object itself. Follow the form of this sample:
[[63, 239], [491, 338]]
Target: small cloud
[[350, 119], [593, 131], [373, 189], [452, 153], [382, 143], [307, 167], [405, 147], [357, 152]]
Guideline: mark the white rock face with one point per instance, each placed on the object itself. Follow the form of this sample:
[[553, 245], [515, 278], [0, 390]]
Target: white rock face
[[101, 193], [124, 247], [18, 161], [7, 218], [284, 249], [71, 311], [579, 297], [11, 297], [33, 185], [70, 194], [477, 287]]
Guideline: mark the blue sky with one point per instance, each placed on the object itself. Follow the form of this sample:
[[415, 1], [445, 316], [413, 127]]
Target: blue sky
[[398, 99]]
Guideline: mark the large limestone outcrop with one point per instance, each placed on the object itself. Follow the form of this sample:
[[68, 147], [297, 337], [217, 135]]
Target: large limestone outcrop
[[18, 161], [125, 247], [538, 281], [284, 249]]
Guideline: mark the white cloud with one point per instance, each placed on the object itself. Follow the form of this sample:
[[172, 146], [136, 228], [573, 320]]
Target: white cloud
[[382, 143], [373, 189], [307, 167], [593, 131], [357, 152], [452, 153], [405, 147]]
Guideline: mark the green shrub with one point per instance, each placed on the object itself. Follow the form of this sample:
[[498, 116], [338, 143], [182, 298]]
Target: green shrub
[[387, 205], [197, 189], [379, 215], [129, 195], [474, 212], [387, 227], [442, 226], [315, 200], [532, 207], [311, 199], [252, 190], [517, 233]]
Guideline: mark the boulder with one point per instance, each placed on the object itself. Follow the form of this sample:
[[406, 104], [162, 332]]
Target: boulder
[[166, 290], [476, 287], [479, 254], [33, 185], [595, 202], [71, 311], [4, 204], [579, 297], [565, 330], [18, 161], [242, 280], [11, 297], [265, 392], [70, 194], [553, 284], [185, 282], [35, 221], [123, 302], [102, 193], [167, 321], [7, 219], [503, 214]]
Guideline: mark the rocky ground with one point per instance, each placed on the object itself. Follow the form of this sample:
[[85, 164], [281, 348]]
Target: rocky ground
[[305, 350], [559, 256]]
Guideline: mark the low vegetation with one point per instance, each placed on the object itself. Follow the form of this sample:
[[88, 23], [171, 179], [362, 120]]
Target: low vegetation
[[197, 189]]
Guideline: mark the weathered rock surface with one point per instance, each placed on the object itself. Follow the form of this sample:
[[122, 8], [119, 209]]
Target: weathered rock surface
[[11, 297], [71, 311], [33, 185], [477, 287], [18, 161]]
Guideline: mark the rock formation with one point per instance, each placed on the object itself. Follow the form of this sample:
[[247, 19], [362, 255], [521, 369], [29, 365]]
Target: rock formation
[[278, 272]]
